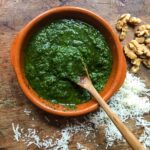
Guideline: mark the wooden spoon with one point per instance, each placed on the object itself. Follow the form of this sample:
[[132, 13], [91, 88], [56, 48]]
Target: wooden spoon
[[86, 83]]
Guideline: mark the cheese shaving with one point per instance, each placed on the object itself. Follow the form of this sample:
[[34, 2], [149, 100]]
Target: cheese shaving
[[27, 112], [81, 147], [145, 137], [17, 134], [130, 102]]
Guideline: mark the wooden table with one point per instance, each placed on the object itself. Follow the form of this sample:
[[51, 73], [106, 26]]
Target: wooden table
[[14, 14]]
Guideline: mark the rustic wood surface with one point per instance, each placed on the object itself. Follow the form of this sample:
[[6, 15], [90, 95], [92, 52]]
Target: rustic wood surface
[[14, 14]]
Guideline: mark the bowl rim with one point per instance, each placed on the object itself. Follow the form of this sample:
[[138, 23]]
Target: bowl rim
[[15, 57]]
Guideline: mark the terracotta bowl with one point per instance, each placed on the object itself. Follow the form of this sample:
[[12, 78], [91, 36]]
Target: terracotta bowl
[[118, 67]]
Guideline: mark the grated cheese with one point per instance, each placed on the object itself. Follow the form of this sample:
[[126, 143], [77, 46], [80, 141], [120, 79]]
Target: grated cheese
[[17, 134], [145, 137], [81, 147], [130, 102], [27, 112]]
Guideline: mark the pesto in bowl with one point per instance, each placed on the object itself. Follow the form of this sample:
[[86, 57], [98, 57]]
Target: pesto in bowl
[[54, 58]]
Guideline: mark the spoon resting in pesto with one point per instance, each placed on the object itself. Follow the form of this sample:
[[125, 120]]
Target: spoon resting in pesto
[[55, 56]]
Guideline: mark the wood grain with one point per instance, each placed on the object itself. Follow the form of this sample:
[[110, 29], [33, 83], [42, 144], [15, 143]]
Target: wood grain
[[14, 14]]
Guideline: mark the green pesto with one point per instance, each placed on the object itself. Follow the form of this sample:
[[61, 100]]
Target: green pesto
[[55, 56]]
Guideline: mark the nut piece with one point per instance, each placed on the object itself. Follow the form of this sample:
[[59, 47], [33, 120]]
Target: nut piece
[[136, 62], [132, 46], [142, 33], [137, 50], [123, 32], [143, 30], [147, 40], [144, 27], [125, 17], [136, 47], [146, 62], [146, 51], [134, 69], [134, 21], [137, 53], [136, 65], [140, 40], [129, 53], [122, 21], [122, 36], [122, 25], [147, 26]]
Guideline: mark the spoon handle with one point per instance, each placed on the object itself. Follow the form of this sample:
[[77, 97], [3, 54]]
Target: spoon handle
[[128, 135]]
